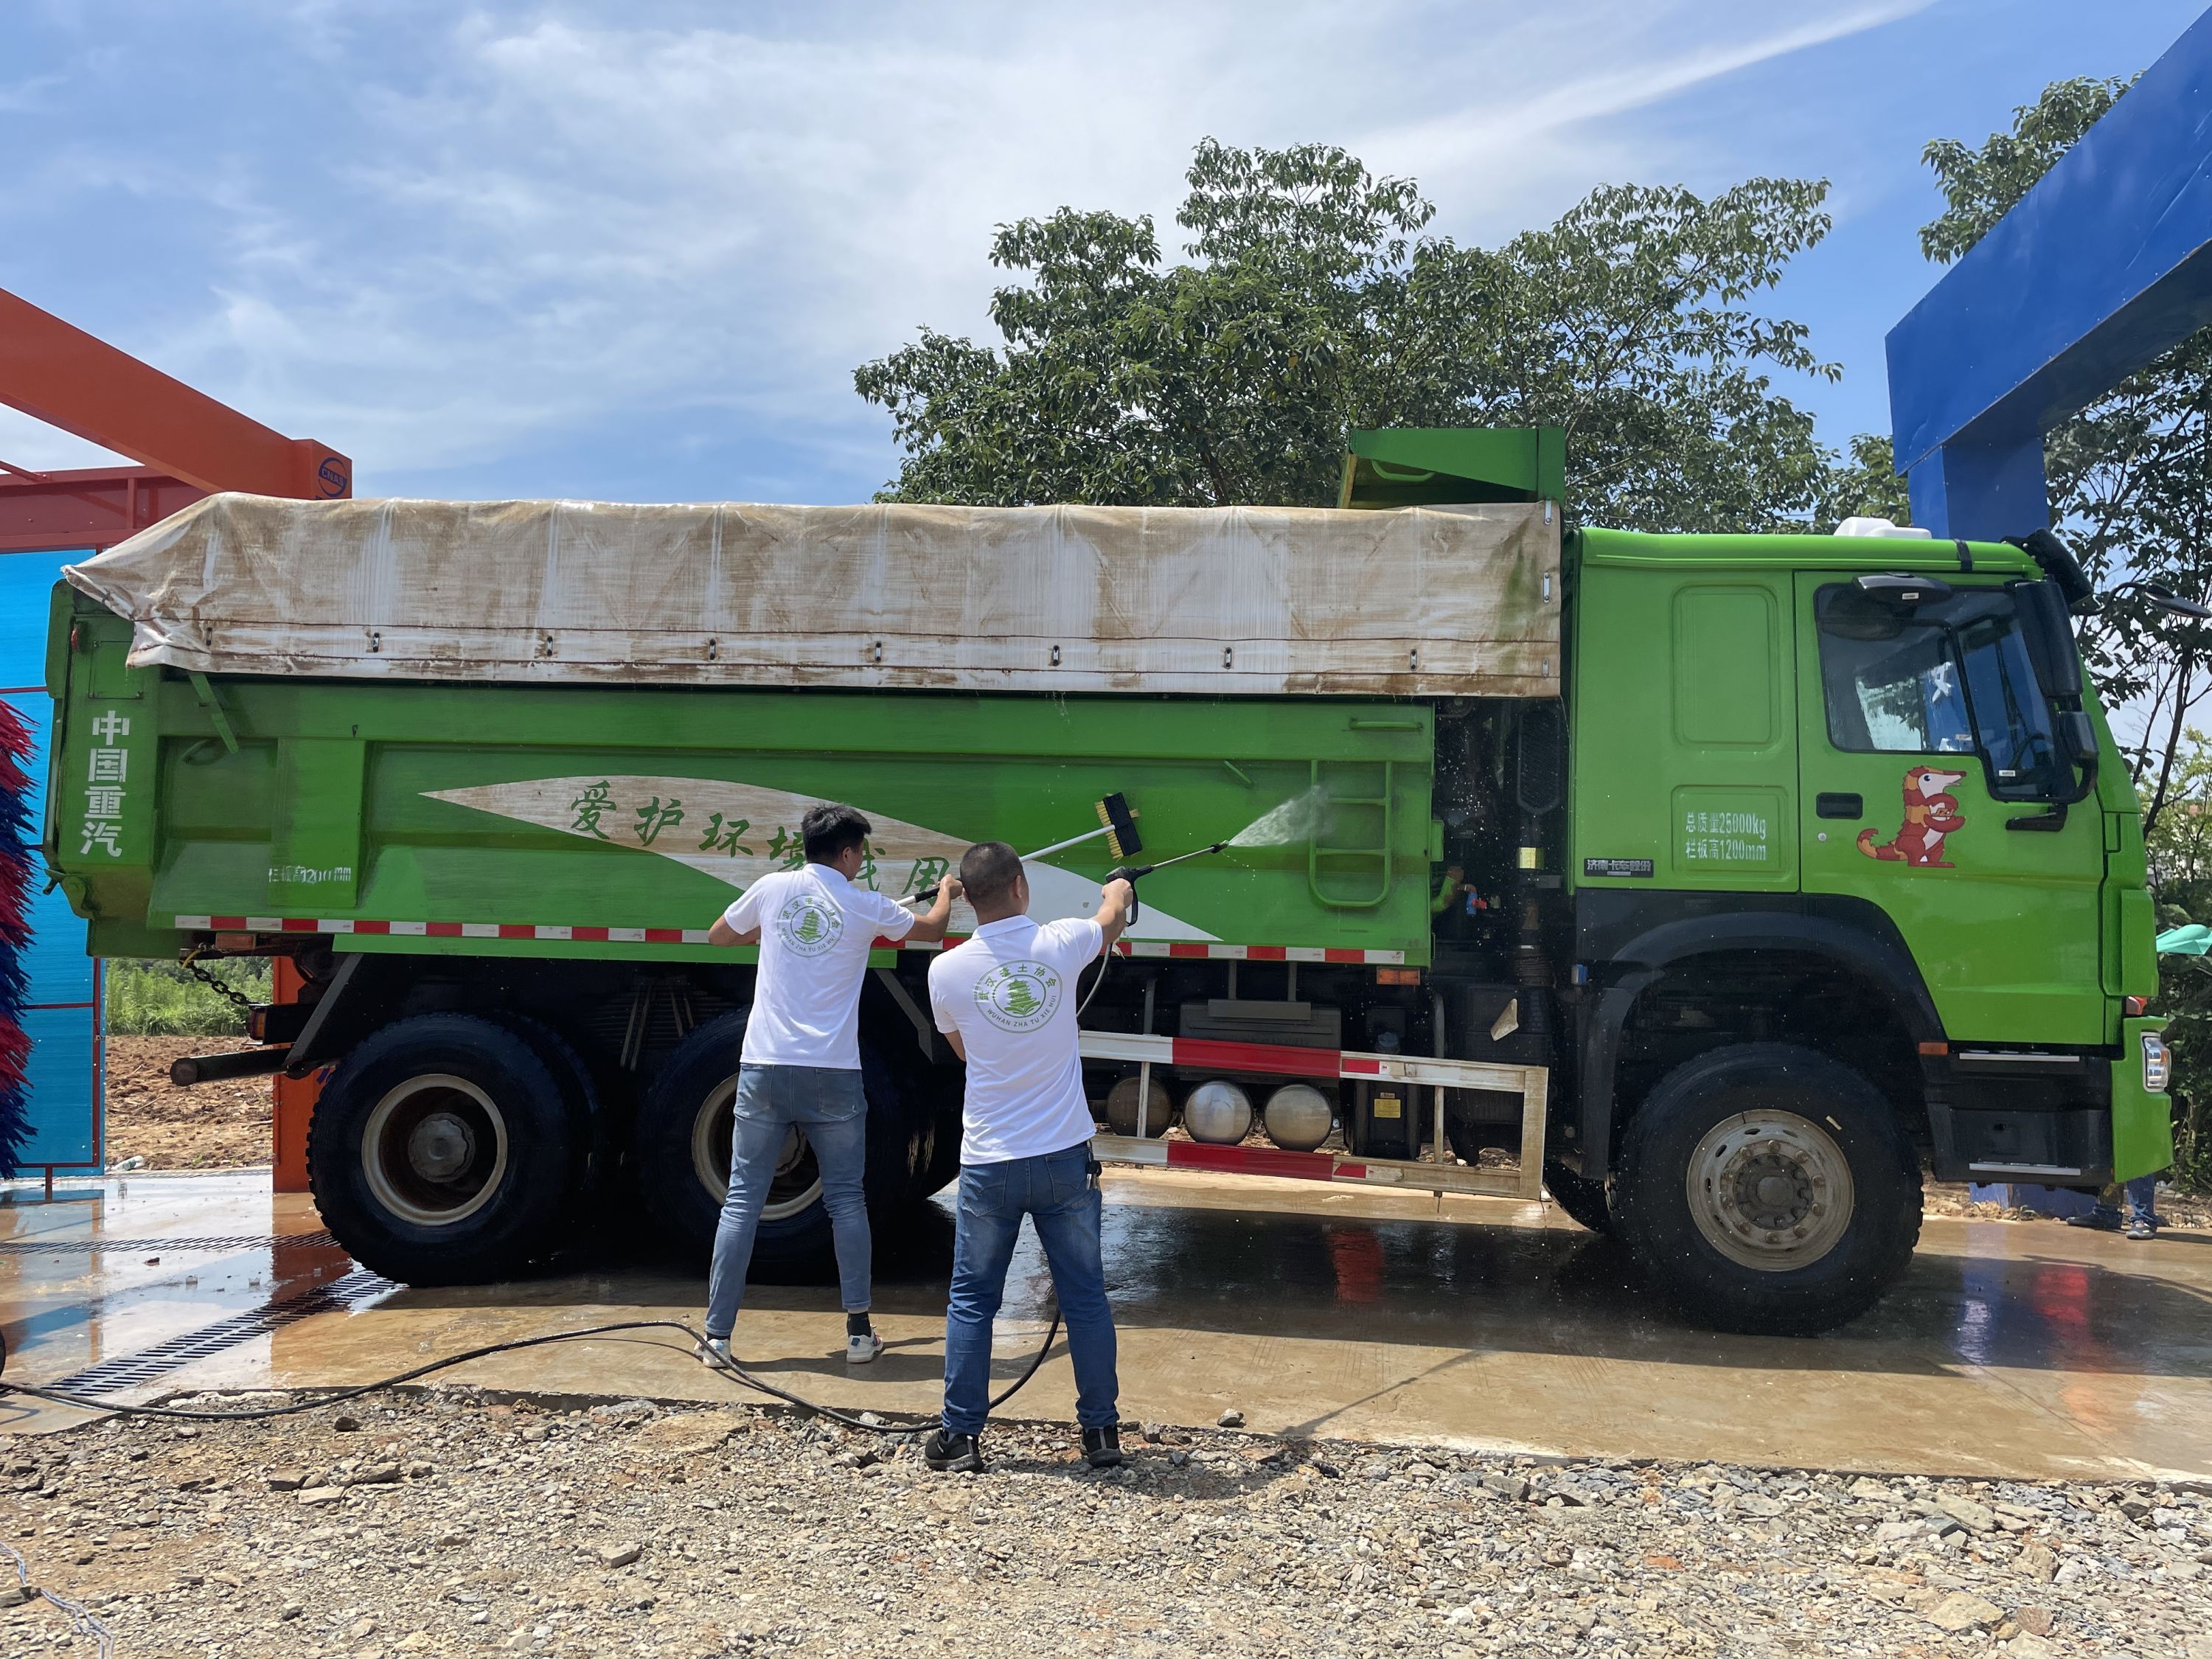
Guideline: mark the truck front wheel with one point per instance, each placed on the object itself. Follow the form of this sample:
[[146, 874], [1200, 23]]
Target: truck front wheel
[[446, 1148], [683, 1133], [1768, 1188]]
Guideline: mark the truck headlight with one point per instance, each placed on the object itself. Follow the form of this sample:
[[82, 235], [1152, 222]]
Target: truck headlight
[[2158, 1063]]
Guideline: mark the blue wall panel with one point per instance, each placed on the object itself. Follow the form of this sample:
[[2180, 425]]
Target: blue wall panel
[[63, 1024]]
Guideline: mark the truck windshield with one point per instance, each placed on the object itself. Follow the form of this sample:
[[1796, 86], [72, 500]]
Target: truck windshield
[[1951, 678]]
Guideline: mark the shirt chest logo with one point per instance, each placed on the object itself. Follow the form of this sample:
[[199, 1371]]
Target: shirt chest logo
[[808, 925], [1018, 996]]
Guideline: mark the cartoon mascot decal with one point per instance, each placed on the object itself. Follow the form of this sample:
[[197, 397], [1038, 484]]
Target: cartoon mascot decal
[[1930, 814]]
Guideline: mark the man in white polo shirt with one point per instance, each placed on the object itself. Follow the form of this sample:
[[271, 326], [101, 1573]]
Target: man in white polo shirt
[[800, 1064], [1005, 1000]]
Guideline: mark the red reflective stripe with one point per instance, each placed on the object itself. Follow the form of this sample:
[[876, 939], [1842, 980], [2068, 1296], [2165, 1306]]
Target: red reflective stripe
[[1184, 949], [1249, 1160], [1351, 1172], [1199, 1053], [1350, 1067]]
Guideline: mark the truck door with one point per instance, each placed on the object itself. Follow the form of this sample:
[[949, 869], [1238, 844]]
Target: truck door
[[1926, 766]]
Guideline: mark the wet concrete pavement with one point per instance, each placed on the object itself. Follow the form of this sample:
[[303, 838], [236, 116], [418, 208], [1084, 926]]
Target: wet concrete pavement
[[2022, 1350]]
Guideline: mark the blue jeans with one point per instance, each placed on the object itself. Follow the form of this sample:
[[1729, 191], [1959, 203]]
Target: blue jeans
[[829, 1106], [2140, 1196], [1054, 1191]]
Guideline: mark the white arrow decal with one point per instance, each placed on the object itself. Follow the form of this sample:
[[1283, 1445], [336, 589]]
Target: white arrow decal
[[738, 832]]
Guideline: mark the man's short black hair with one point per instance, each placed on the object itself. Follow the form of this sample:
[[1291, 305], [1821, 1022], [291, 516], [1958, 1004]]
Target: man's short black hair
[[828, 830], [989, 870]]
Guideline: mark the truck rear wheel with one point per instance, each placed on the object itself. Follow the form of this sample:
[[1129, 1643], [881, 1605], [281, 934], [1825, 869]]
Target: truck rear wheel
[[683, 1134], [1768, 1188], [446, 1148]]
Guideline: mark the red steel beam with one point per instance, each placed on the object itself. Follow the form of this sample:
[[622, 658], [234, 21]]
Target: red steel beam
[[90, 508], [67, 378]]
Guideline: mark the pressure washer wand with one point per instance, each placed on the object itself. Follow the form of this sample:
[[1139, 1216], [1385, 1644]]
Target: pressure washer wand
[[1117, 822], [1129, 872]]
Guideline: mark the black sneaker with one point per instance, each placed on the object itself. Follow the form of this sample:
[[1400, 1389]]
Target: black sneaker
[[1102, 1448], [957, 1454], [2096, 1220]]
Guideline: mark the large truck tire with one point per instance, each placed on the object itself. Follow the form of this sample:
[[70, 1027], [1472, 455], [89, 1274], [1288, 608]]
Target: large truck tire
[[683, 1149], [446, 1149], [1768, 1189]]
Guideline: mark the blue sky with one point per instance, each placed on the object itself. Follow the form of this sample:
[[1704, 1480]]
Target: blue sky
[[634, 252]]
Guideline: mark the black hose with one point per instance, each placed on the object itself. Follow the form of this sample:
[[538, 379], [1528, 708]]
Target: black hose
[[85, 1402]]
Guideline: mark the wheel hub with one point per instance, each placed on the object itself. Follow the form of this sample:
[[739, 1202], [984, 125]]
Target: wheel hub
[[1770, 1190], [441, 1146], [796, 1183], [434, 1149]]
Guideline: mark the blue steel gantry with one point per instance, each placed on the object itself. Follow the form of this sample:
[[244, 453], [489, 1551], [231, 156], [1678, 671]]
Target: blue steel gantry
[[2104, 264]]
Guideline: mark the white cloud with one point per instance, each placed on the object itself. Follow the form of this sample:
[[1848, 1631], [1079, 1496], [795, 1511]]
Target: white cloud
[[37, 447], [532, 226]]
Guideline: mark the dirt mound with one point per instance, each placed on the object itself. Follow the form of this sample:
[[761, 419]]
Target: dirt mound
[[207, 1126]]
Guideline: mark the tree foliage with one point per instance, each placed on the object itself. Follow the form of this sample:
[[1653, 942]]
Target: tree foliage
[[1311, 301], [2131, 475], [1981, 186], [1864, 484]]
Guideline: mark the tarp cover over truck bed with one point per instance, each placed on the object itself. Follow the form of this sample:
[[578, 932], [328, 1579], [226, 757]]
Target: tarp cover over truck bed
[[1452, 601]]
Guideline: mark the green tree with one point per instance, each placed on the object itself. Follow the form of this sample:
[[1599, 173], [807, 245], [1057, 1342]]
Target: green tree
[[1981, 186], [1312, 302], [2179, 840], [2131, 476], [1865, 484]]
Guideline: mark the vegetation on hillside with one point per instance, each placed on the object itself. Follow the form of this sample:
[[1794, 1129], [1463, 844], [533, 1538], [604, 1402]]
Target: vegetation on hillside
[[162, 998]]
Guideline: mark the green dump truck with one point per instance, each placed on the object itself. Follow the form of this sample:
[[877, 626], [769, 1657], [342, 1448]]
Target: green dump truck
[[1719, 883]]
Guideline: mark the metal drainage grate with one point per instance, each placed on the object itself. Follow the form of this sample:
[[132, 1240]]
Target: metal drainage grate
[[95, 1246], [151, 1364]]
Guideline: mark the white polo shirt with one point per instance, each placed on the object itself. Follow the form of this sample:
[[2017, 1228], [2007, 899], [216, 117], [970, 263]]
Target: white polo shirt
[[816, 928], [1010, 994]]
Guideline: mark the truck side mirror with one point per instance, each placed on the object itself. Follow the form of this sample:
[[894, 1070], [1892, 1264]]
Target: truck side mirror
[[2172, 603], [2050, 639]]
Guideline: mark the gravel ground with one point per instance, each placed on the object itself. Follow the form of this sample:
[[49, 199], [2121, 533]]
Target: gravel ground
[[208, 1126], [447, 1523]]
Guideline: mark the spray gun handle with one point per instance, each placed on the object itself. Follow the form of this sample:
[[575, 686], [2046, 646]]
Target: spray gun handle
[[1128, 873], [927, 895]]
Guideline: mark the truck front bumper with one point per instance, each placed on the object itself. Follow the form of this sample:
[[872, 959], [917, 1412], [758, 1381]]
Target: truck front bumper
[[2063, 1120]]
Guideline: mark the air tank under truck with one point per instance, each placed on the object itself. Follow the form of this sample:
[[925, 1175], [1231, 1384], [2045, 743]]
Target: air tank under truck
[[1718, 885]]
